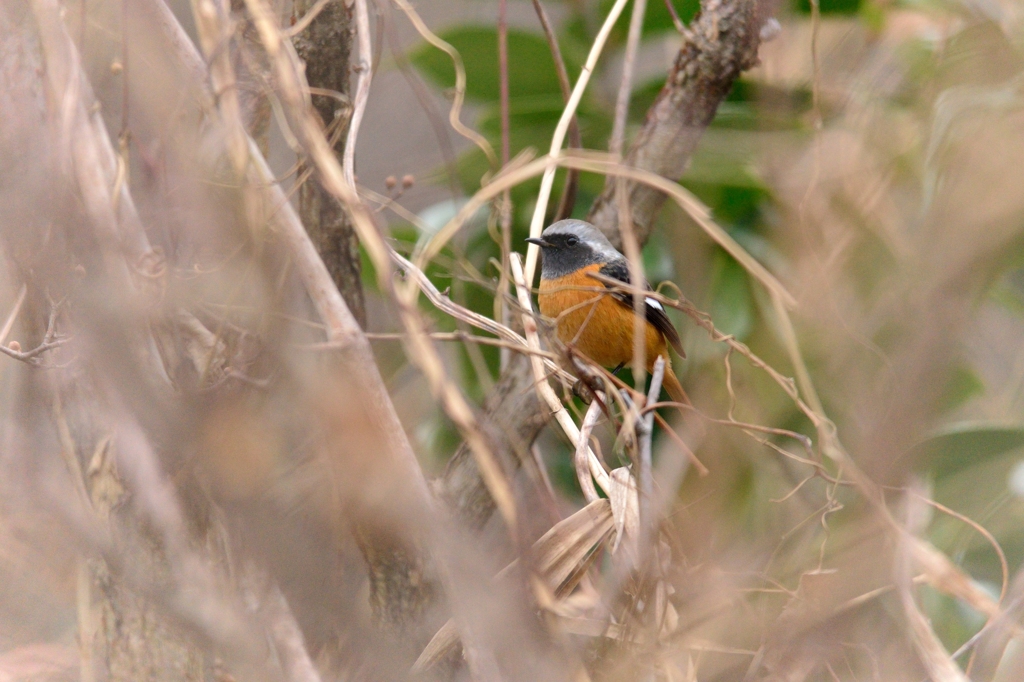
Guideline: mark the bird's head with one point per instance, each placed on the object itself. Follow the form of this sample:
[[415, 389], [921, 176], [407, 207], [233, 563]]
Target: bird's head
[[569, 245]]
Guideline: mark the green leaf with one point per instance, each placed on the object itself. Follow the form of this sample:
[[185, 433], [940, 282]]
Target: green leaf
[[953, 621], [731, 304], [829, 6], [531, 69], [961, 445], [962, 385], [657, 18]]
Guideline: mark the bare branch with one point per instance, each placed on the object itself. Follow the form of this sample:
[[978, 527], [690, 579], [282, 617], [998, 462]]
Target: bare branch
[[718, 46], [568, 199], [636, 24], [364, 74], [937, 661], [645, 429], [540, 211]]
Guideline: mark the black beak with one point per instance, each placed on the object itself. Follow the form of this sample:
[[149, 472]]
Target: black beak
[[539, 241]]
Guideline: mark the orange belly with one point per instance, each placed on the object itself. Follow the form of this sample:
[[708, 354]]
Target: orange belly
[[594, 322]]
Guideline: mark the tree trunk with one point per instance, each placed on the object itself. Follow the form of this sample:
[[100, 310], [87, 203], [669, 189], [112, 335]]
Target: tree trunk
[[325, 47]]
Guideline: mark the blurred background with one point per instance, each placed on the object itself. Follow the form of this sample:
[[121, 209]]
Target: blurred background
[[873, 161]]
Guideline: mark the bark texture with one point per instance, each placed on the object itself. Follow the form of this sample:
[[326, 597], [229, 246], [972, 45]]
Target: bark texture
[[400, 586], [325, 47], [721, 42]]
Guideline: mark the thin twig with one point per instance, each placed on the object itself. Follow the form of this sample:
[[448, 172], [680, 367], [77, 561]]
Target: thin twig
[[505, 205], [1003, 565], [568, 200], [365, 75], [631, 246], [503, 78], [477, 320], [635, 264], [537, 223], [30, 355], [426, 100], [212, 25], [645, 434], [460, 82], [676, 21], [687, 450], [933, 655], [597, 162], [541, 383], [50, 341], [457, 336], [9, 324], [287, 638], [636, 24]]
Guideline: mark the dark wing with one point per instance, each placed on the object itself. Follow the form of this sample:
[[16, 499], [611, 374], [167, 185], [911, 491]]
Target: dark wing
[[654, 311]]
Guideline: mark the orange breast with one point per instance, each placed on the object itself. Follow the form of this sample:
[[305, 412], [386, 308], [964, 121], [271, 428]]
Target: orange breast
[[593, 321]]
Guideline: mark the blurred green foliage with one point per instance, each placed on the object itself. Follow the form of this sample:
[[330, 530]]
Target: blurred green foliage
[[969, 464], [531, 72]]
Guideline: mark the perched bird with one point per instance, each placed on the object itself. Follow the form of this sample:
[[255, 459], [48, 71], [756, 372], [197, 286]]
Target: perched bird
[[600, 325]]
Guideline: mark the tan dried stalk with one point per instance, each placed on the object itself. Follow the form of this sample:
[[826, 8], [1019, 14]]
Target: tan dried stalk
[[364, 70], [455, 113], [937, 661], [418, 345], [213, 25], [537, 222], [636, 24], [581, 459], [442, 302], [598, 162], [541, 383]]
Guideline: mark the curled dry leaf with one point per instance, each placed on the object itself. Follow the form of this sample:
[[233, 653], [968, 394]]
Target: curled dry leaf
[[563, 554], [561, 558]]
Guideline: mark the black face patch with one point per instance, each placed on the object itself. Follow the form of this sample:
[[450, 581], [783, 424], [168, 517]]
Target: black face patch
[[566, 254]]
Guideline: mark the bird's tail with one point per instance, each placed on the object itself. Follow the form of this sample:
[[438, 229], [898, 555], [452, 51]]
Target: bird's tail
[[674, 388]]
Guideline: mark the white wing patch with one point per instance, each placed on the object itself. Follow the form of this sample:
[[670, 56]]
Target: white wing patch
[[654, 304]]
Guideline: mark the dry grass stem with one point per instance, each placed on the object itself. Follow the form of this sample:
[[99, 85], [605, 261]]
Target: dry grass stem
[[568, 200], [541, 383], [558, 139], [622, 97], [600, 163], [455, 113], [582, 458], [364, 77], [208, 470]]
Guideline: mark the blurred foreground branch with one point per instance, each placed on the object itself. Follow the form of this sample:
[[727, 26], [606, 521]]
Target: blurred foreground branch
[[114, 265]]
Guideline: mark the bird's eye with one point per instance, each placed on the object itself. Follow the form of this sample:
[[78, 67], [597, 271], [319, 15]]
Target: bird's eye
[[572, 241]]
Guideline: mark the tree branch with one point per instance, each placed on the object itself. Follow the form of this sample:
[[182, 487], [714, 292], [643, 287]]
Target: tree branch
[[720, 44], [395, 563], [325, 47]]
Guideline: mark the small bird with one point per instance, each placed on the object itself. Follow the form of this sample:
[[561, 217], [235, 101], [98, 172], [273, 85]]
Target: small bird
[[600, 325]]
